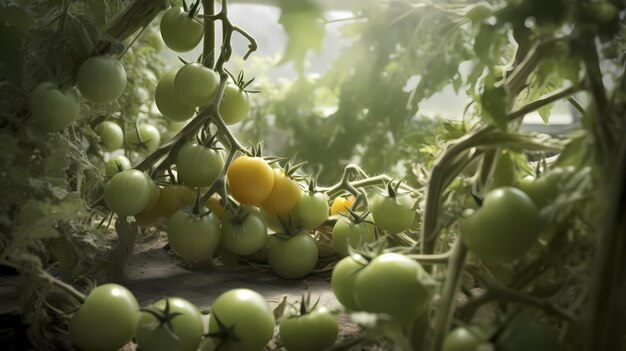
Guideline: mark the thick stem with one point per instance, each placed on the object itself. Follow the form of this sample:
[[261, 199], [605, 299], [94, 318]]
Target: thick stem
[[208, 49]]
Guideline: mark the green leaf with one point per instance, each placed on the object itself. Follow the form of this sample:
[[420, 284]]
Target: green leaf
[[493, 101], [11, 54], [303, 23], [483, 42]]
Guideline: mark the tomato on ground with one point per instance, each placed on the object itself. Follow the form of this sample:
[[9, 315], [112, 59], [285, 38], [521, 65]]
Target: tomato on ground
[[294, 257], [314, 331], [193, 237]]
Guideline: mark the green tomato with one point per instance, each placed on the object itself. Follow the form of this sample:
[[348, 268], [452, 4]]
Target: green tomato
[[145, 139], [107, 319], [116, 164], [111, 135], [504, 228], [311, 211], [545, 189], [187, 326], [247, 316], [243, 236], [464, 339], [234, 105], [524, 333], [348, 233], [167, 101], [342, 280], [53, 109], [393, 214], [292, 258], [180, 32], [400, 280], [273, 222], [128, 192], [101, 79], [196, 85], [198, 165], [193, 237], [314, 331]]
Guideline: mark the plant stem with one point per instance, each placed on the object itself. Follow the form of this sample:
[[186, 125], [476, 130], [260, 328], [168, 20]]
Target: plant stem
[[208, 49]]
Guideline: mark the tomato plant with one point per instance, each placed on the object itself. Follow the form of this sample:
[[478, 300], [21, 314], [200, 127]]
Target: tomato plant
[[241, 320], [167, 101], [294, 256], [199, 165], [354, 231], [111, 135], [52, 108], [284, 196], [145, 138], [128, 192], [250, 180], [311, 331], [106, 320], [116, 164], [171, 323], [193, 236], [243, 233], [180, 31], [504, 228], [235, 104], [195, 85], [101, 79], [401, 280]]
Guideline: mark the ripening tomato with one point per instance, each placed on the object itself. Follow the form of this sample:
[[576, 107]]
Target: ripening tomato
[[504, 228], [111, 135], [167, 101], [179, 30], [311, 211], [294, 257], [172, 198], [195, 85], [246, 317], [107, 319], [250, 180], [145, 139], [401, 280], [314, 331], [193, 237], [199, 165], [52, 108], [234, 105], [284, 196], [341, 205], [116, 164], [101, 79], [128, 192], [187, 327]]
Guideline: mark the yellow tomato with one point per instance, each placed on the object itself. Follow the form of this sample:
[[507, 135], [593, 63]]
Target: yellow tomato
[[250, 180], [284, 196], [341, 204]]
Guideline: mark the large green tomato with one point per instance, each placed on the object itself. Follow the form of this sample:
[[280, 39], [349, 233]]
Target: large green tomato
[[246, 315], [195, 85], [145, 139], [234, 105], [53, 109], [504, 228], [116, 164], [128, 192], [311, 211], [111, 135], [180, 32], [167, 100], [464, 339], [393, 214], [293, 258], [342, 280], [393, 284], [348, 233], [243, 236], [199, 165], [545, 189], [101, 79], [107, 319], [314, 331], [187, 327], [193, 237]]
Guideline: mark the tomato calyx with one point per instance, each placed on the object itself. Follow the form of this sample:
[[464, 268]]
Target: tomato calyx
[[393, 190], [239, 214], [163, 318], [207, 139], [225, 333], [290, 169], [241, 83], [305, 305], [193, 10]]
